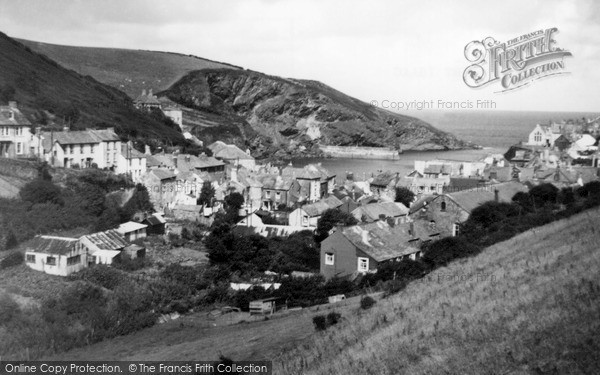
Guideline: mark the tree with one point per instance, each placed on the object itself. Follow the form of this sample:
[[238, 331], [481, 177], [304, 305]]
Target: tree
[[234, 201], [41, 191], [404, 195], [207, 194], [544, 194], [331, 218]]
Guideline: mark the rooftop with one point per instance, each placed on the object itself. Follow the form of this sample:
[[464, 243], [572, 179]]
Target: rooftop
[[51, 245], [380, 241], [107, 240]]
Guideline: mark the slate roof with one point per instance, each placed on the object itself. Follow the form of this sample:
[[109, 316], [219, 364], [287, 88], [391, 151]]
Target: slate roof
[[380, 241], [470, 199], [317, 208], [131, 153], [438, 168], [155, 219], [231, 152], [107, 240], [373, 211], [384, 179], [78, 137], [276, 182], [17, 118], [309, 172], [162, 174], [51, 245]]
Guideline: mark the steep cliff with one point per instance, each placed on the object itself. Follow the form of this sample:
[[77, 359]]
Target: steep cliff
[[290, 117]]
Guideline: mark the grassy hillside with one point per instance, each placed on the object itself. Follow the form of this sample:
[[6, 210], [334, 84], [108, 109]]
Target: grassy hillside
[[530, 306], [46, 91], [128, 70]]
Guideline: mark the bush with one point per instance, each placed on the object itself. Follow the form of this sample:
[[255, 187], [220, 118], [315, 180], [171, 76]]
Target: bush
[[11, 260], [41, 191], [320, 322], [367, 302], [333, 317]]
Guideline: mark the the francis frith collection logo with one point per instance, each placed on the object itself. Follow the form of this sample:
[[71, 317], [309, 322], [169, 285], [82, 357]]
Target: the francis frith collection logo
[[515, 63]]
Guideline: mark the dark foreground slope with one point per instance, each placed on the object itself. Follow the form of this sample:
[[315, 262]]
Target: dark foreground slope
[[48, 92]]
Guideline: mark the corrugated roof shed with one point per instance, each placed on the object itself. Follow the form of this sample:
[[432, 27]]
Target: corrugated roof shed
[[107, 240], [51, 245]]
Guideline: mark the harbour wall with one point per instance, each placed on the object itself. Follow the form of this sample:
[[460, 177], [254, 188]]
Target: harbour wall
[[358, 152]]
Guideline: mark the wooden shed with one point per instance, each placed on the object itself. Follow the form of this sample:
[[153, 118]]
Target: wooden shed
[[266, 306]]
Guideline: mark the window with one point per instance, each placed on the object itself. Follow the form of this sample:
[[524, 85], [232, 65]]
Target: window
[[71, 149], [51, 261], [73, 260], [81, 149], [432, 225], [91, 149], [19, 130], [304, 220], [455, 229], [363, 264], [329, 258], [443, 205], [30, 258], [19, 148], [268, 194], [537, 137]]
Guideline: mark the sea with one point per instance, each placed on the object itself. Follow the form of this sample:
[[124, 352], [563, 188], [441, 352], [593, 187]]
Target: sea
[[494, 131]]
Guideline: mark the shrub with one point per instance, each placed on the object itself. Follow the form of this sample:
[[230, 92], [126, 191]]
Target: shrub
[[11, 260], [9, 309], [367, 302], [41, 191], [333, 317], [320, 322]]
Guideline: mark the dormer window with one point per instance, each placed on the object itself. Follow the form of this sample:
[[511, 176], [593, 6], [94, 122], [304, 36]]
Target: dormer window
[[443, 207]]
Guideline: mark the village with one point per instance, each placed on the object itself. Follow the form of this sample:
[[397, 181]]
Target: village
[[388, 217]]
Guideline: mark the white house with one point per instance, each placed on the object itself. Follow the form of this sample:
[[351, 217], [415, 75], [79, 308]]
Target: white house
[[132, 230], [82, 148], [132, 162], [16, 135], [53, 255]]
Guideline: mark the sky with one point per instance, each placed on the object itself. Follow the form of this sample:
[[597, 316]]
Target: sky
[[392, 52]]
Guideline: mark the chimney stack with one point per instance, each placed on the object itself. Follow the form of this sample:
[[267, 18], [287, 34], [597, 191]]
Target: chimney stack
[[12, 104], [496, 195], [66, 128], [147, 150], [175, 160], [144, 92]]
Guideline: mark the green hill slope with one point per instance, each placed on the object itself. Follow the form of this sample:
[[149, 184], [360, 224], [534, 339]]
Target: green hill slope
[[529, 305], [42, 86], [128, 70]]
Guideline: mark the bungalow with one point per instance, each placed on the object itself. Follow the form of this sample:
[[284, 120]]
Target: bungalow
[[381, 211], [309, 214], [103, 247], [362, 248], [132, 230], [59, 256]]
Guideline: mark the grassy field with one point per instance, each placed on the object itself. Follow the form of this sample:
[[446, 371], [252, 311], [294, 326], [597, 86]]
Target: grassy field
[[529, 305], [128, 70]]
